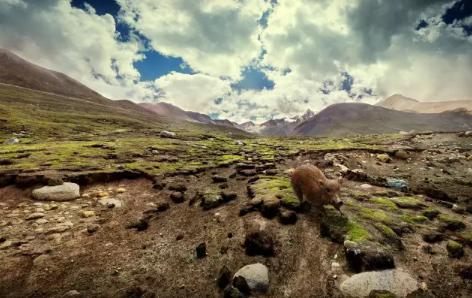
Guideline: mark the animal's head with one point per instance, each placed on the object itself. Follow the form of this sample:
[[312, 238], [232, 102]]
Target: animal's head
[[330, 189]]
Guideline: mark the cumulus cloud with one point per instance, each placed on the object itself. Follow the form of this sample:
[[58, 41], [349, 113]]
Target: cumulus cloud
[[77, 42], [216, 37], [192, 92]]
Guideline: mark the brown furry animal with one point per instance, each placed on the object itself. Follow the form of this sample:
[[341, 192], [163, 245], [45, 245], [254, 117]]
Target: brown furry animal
[[309, 183]]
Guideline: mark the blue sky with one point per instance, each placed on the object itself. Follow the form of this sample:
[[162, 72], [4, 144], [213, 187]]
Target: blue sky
[[156, 65]]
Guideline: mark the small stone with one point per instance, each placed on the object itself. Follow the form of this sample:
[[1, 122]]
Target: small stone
[[35, 215], [140, 225], [110, 203], [270, 206], [121, 190], [228, 195], [6, 244], [177, 187], [224, 277], [177, 197], [232, 292], [256, 276], [219, 179], [92, 228], [248, 172], [162, 206], [167, 134], [42, 221], [201, 250], [465, 271], [433, 237], [384, 158], [179, 237], [401, 154], [431, 213], [72, 293], [211, 200], [259, 243], [87, 213], [240, 283], [455, 249], [288, 217]]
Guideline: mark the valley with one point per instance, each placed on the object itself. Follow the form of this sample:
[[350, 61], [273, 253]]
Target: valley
[[102, 198]]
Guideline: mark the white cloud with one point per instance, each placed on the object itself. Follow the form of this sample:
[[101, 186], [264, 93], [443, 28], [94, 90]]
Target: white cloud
[[305, 43], [192, 92], [216, 37], [79, 43]]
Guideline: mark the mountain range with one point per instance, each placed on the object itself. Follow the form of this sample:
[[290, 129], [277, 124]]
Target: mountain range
[[392, 115], [402, 103]]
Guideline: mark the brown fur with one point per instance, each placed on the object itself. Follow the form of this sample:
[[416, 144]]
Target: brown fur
[[309, 183]]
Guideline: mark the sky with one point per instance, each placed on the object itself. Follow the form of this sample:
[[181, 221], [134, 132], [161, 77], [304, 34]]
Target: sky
[[250, 59]]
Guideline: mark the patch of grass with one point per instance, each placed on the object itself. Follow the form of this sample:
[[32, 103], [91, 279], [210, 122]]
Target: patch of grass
[[407, 202], [451, 223], [409, 218], [387, 203], [376, 215], [385, 230], [356, 232], [279, 187], [431, 213]]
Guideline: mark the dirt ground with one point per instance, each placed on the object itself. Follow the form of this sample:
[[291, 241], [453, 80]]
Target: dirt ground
[[61, 255]]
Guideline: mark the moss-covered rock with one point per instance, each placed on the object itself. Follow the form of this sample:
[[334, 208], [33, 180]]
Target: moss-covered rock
[[357, 233], [431, 213], [333, 224], [278, 187], [384, 202], [376, 215], [451, 223], [408, 202], [414, 219], [454, 249]]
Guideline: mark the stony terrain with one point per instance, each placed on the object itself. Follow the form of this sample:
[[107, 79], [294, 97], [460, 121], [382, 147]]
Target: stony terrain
[[177, 215], [102, 198]]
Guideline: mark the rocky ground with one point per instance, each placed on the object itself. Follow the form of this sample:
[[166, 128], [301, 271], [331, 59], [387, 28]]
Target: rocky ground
[[175, 216]]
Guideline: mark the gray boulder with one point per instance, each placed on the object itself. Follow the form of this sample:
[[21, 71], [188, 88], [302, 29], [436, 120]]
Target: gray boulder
[[256, 276], [395, 281], [167, 134], [64, 192]]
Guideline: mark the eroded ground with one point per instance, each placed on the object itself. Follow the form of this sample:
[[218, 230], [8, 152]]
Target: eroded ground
[[120, 240]]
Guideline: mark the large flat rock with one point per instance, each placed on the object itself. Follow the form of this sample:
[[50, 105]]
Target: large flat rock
[[395, 281], [64, 192]]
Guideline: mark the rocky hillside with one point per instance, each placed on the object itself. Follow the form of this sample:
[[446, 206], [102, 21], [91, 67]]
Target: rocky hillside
[[402, 103], [354, 118]]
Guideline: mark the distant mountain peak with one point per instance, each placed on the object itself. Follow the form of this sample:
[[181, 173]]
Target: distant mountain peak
[[402, 103]]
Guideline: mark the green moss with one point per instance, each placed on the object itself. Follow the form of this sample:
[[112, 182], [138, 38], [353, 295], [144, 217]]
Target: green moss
[[385, 203], [409, 218], [356, 232], [466, 236], [407, 202], [431, 213], [385, 230], [451, 223], [376, 215], [279, 187], [454, 249]]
